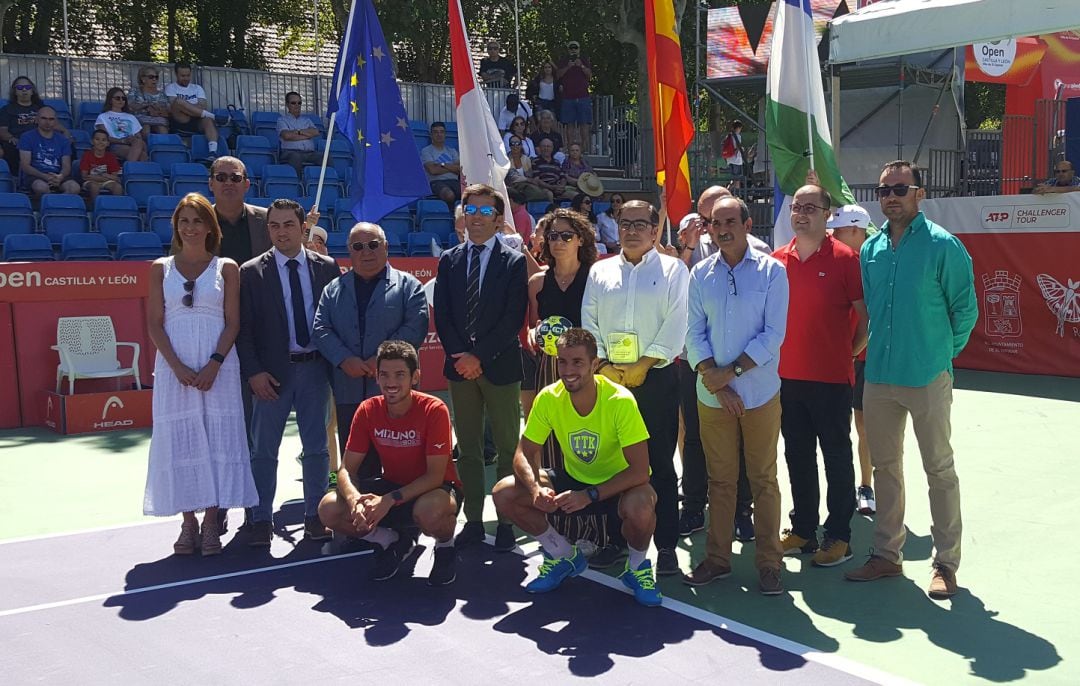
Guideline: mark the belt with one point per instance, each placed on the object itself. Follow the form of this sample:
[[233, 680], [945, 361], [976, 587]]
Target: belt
[[304, 357]]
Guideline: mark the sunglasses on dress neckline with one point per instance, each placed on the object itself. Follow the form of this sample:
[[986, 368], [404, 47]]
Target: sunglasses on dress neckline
[[189, 297]]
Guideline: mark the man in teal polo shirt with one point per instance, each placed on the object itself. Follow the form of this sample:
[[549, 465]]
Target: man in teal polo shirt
[[920, 294]]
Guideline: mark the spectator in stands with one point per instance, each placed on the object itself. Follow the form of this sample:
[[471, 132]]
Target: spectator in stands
[[496, 71], [148, 103], [317, 240], [732, 152], [543, 90], [122, 127], [514, 109], [188, 108], [583, 204], [523, 221], [297, 135], [20, 116], [518, 128], [520, 175], [607, 224], [574, 72], [243, 226], [1063, 181], [546, 170], [99, 168], [545, 122], [443, 166], [574, 165], [45, 158]]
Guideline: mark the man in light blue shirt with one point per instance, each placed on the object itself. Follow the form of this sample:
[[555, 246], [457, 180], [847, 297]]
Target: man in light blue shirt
[[920, 294], [297, 134], [737, 320]]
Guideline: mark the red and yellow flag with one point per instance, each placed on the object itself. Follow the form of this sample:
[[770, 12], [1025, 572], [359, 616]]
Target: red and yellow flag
[[673, 128]]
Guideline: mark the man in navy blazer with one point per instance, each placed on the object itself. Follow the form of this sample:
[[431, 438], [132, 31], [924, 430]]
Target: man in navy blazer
[[279, 291], [359, 310], [480, 303]]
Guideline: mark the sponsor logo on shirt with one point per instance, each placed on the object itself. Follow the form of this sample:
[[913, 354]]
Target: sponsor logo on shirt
[[401, 439]]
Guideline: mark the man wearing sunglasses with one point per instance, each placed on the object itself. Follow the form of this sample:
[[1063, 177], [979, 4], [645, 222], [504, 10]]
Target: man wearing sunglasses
[[480, 303], [243, 226], [1063, 181], [920, 294], [359, 310], [279, 291], [297, 134]]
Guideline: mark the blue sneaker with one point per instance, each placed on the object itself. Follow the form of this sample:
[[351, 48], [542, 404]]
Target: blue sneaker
[[553, 572], [641, 582]]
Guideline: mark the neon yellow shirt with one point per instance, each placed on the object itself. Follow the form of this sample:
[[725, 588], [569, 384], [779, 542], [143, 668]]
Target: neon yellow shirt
[[592, 445]]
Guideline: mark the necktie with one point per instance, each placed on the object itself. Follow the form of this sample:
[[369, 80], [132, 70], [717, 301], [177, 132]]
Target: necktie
[[472, 292], [299, 312]]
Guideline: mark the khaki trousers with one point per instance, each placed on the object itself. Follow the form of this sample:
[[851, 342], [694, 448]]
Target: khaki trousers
[[886, 409], [760, 428]]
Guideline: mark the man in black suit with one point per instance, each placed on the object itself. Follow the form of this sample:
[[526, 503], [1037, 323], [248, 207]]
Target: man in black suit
[[279, 291], [480, 302]]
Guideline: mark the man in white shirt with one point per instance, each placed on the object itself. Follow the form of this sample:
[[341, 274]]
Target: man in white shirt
[[635, 307], [297, 135], [514, 108], [188, 109]]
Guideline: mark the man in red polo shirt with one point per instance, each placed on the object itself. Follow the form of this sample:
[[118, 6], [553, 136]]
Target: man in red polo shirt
[[418, 487], [817, 375]]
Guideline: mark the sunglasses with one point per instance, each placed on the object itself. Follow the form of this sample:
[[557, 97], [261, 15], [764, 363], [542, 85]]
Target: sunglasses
[[189, 297], [515, 145], [119, 97], [564, 236], [899, 190], [372, 245], [486, 211], [24, 87], [222, 177]]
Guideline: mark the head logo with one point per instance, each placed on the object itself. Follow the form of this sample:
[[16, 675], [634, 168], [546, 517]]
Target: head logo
[[1062, 301], [112, 402], [48, 408], [1001, 304], [584, 444]]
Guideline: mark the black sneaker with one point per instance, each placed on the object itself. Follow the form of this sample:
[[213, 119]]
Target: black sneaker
[[666, 562], [505, 541], [261, 534], [690, 522], [606, 556], [744, 526], [388, 560], [471, 533], [444, 568]]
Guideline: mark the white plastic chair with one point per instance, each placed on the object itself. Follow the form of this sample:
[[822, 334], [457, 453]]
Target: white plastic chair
[[87, 347]]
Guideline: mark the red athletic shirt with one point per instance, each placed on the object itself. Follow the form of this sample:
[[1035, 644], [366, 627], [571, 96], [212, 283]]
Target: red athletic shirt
[[90, 165], [820, 326], [403, 443]]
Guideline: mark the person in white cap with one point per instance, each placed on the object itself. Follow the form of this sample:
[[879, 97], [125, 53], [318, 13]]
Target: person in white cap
[[849, 226], [317, 240]]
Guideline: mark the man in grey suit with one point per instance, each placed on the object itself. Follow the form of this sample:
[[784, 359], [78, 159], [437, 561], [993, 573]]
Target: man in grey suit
[[243, 226], [279, 291], [359, 310]]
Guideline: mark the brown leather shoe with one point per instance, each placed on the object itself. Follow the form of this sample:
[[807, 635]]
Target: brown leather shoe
[[260, 534], [315, 530], [769, 581], [875, 568], [942, 583], [704, 573]]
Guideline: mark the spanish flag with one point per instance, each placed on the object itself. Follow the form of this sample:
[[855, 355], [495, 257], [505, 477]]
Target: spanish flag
[[673, 128]]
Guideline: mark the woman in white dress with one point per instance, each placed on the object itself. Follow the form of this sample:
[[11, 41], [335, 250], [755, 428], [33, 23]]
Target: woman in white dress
[[199, 456]]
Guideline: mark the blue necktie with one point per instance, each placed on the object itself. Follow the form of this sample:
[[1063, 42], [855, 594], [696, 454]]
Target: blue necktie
[[299, 312], [472, 292]]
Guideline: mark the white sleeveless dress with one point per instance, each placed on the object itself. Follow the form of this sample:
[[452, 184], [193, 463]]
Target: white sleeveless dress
[[199, 450]]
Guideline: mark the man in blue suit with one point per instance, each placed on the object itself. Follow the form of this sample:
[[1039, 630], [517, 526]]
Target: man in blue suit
[[359, 310], [480, 302]]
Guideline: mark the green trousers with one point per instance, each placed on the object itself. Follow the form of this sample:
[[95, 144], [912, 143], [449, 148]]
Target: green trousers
[[471, 399]]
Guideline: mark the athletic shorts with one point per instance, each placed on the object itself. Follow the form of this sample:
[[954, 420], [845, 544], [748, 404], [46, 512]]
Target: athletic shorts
[[193, 125], [454, 186], [401, 516], [561, 481], [576, 111], [528, 368], [856, 392]]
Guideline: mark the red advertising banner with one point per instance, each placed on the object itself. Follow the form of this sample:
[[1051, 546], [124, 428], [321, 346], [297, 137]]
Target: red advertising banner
[[91, 412], [1012, 60], [62, 281]]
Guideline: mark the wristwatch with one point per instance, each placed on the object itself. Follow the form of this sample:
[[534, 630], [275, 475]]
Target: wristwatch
[[737, 368], [593, 493], [396, 495], [218, 357]]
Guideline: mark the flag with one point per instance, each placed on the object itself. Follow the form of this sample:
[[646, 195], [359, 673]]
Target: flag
[[673, 128], [793, 93], [386, 168], [483, 155]]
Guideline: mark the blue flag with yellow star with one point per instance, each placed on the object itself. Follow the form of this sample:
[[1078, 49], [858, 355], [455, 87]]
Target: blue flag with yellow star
[[386, 168]]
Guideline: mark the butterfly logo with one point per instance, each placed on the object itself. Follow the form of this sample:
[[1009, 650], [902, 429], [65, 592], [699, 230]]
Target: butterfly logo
[[1063, 302]]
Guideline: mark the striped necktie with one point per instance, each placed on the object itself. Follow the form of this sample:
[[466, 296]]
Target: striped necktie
[[472, 292]]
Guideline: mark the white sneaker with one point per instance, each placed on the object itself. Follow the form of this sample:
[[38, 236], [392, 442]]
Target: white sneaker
[[866, 505]]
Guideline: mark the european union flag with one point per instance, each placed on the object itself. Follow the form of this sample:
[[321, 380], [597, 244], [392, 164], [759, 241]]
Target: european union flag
[[386, 168]]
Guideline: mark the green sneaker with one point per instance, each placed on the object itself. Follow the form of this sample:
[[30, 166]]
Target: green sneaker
[[554, 571], [642, 583]]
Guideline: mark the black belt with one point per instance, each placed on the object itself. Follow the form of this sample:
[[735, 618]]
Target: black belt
[[304, 357]]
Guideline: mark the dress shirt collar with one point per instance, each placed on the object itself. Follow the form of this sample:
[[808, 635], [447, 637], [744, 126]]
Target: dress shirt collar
[[489, 244], [918, 223], [282, 260], [645, 259]]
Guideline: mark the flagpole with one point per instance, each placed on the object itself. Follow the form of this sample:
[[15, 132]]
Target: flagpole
[[333, 115], [809, 45]]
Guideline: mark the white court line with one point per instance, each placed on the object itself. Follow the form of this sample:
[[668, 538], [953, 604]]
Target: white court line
[[79, 532], [175, 584]]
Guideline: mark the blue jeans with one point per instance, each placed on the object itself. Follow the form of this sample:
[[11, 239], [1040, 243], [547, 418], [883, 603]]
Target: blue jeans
[[307, 389]]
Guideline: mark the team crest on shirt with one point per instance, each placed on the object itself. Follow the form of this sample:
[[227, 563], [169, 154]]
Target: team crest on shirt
[[584, 444]]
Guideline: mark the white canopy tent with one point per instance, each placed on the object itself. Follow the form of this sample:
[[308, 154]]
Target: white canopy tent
[[892, 28]]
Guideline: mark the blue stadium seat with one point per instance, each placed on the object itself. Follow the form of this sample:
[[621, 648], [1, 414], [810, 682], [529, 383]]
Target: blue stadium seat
[[256, 152], [63, 112], [189, 177], [394, 245], [343, 217], [27, 247], [337, 244], [143, 179], [397, 225], [326, 203], [88, 114], [63, 214], [138, 245], [231, 122], [317, 120], [311, 179], [90, 247], [418, 243], [81, 144], [167, 149], [7, 183], [116, 214], [600, 206], [259, 202], [422, 140], [433, 216], [280, 181], [200, 150], [341, 155], [536, 208], [16, 215], [159, 212], [264, 124]]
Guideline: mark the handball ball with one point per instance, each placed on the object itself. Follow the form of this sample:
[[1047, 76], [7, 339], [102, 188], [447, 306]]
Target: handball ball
[[549, 331]]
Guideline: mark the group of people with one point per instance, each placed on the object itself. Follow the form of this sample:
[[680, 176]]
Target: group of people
[[755, 344]]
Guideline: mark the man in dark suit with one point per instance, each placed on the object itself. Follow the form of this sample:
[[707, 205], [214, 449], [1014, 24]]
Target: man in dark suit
[[359, 310], [243, 226], [279, 291], [480, 302]]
